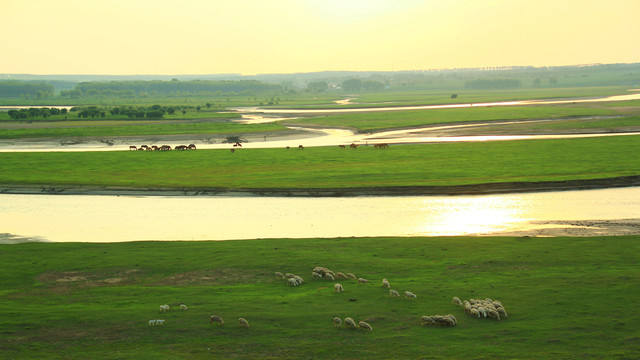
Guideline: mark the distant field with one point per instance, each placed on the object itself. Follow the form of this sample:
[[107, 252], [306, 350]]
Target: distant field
[[331, 167], [566, 298], [373, 121]]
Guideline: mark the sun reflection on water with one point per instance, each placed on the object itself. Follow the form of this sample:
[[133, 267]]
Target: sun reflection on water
[[471, 215]]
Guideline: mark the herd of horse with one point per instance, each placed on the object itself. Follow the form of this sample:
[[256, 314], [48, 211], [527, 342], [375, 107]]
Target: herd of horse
[[161, 148], [236, 145]]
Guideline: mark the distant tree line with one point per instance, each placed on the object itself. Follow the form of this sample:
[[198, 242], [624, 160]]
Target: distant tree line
[[132, 112], [168, 88], [35, 113], [12, 88], [493, 84]]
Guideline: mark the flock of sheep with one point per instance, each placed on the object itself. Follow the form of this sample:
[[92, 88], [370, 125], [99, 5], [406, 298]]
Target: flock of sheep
[[476, 308], [487, 308]]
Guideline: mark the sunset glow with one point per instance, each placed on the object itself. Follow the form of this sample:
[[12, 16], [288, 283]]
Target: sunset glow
[[287, 36]]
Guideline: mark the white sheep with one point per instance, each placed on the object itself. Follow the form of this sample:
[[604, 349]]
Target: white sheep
[[482, 311], [243, 323], [279, 275], [152, 323], [474, 313], [494, 314], [299, 279], [393, 293], [292, 282], [409, 294], [362, 281], [340, 275], [351, 276], [385, 283], [183, 307], [164, 308], [456, 301], [365, 326], [502, 312], [329, 276], [338, 288], [337, 322], [216, 318], [349, 322], [316, 275], [159, 322], [427, 320]]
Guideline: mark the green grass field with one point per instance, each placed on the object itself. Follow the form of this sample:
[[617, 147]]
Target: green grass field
[[331, 167], [567, 298]]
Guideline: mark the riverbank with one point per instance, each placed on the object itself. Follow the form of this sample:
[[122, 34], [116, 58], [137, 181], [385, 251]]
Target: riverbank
[[475, 189]]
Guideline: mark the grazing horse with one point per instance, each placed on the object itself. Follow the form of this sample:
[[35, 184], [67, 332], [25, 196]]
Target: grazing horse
[[353, 146], [192, 146], [341, 146], [133, 147], [154, 148], [181, 147], [165, 148], [381, 146], [300, 147]]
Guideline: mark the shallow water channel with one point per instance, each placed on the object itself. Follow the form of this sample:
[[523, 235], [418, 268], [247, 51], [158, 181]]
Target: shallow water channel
[[87, 218]]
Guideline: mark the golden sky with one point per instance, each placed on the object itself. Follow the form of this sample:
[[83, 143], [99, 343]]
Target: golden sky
[[286, 36]]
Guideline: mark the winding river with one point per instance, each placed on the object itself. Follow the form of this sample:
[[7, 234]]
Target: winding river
[[89, 218]]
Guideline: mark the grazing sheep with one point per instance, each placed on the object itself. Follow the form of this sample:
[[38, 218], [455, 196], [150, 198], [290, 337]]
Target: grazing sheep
[[159, 322], [243, 323], [362, 281], [337, 322], [292, 282], [278, 275], [502, 312], [340, 275], [338, 288], [393, 293], [350, 323], [474, 313], [215, 318], [351, 276], [494, 314], [183, 307], [385, 283], [299, 279], [482, 311], [409, 294], [316, 275], [365, 326], [427, 320], [152, 323], [456, 301], [329, 276], [446, 320], [289, 275], [164, 308]]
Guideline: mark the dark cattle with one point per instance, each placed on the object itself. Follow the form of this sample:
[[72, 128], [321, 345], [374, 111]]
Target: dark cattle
[[353, 146], [192, 146], [181, 147], [300, 147], [165, 148], [133, 147], [341, 146]]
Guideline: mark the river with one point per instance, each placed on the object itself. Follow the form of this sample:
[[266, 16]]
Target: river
[[89, 218]]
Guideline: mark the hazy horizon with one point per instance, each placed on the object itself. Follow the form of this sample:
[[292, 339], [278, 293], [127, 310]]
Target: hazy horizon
[[248, 37]]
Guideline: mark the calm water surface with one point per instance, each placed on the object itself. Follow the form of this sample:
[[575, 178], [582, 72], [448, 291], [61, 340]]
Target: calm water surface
[[125, 218]]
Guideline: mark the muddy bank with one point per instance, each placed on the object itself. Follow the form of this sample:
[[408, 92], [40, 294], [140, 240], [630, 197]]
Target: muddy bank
[[476, 189], [578, 228]]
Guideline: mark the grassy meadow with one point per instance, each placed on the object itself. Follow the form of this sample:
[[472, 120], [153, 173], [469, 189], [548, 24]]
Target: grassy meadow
[[567, 298], [331, 167]]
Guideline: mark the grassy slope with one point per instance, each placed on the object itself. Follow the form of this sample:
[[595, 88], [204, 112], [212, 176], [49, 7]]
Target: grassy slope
[[567, 298], [406, 165]]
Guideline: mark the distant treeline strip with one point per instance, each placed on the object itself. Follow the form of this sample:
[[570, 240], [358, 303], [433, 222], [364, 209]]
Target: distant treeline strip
[[168, 88], [12, 88]]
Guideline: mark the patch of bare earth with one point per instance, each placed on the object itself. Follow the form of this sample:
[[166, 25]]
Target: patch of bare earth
[[206, 277]]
